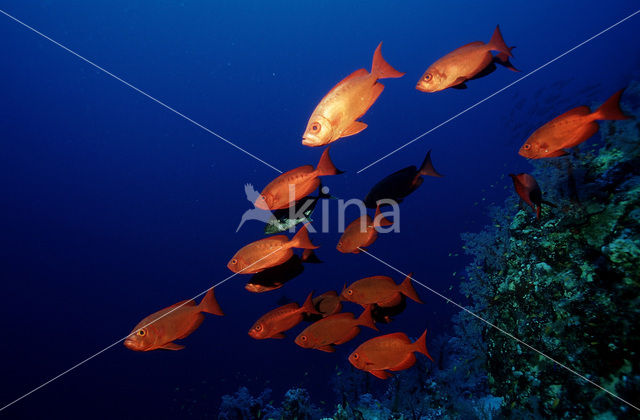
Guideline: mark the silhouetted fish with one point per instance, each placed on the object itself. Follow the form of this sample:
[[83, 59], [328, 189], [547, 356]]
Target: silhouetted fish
[[400, 184]]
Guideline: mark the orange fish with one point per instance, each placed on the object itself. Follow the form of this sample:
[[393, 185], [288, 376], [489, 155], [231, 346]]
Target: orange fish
[[328, 303], [334, 329], [273, 323], [467, 62], [295, 184], [361, 233], [268, 252], [570, 129], [336, 114], [381, 290], [158, 330], [391, 351], [529, 191]]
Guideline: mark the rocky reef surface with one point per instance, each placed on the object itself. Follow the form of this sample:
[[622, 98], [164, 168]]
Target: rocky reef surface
[[566, 284]]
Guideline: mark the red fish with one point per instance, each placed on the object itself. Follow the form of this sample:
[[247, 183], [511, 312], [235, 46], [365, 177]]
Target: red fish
[[388, 352], [334, 329], [328, 303], [470, 61], [570, 129], [158, 330], [361, 233], [268, 252], [336, 114], [275, 322], [295, 184], [381, 290], [529, 190]]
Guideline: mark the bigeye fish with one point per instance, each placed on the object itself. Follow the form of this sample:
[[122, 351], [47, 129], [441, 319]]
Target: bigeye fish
[[334, 329], [275, 322], [295, 184], [570, 129], [160, 329], [529, 191], [268, 252], [388, 352], [470, 61], [361, 233], [400, 184], [337, 113], [328, 303], [381, 290]]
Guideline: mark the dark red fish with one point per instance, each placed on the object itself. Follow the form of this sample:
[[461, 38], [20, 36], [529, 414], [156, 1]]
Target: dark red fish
[[361, 233], [388, 352], [529, 190], [328, 303], [381, 290], [275, 322]]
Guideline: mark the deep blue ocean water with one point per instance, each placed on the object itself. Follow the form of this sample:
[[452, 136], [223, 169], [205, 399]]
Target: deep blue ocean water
[[114, 207]]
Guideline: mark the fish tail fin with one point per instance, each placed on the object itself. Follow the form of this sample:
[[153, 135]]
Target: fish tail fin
[[421, 345], [427, 167], [366, 319], [209, 304], [380, 68], [379, 220], [301, 239], [406, 288], [326, 166], [503, 60], [497, 43], [308, 256], [610, 110], [308, 307]]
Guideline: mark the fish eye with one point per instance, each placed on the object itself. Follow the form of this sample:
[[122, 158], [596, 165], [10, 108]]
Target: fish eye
[[350, 292], [142, 333], [355, 356], [527, 146], [258, 327], [303, 337], [234, 261], [315, 126], [339, 243], [427, 77]]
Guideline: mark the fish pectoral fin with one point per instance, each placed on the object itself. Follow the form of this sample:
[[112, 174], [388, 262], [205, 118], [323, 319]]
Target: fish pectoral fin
[[354, 128], [558, 153], [328, 348], [172, 346], [279, 335], [382, 374], [408, 361]]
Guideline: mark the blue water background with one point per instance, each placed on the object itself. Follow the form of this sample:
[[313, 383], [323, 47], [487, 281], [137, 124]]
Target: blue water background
[[113, 207]]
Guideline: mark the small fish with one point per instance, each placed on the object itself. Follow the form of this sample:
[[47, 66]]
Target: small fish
[[361, 233], [268, 252], [400, 184], [158, 330], [328, 303], [301, 211], [388, 352], [295, 184], [334, 329], [529, 191], [275, 322], [381, 290], [470, 61], [570, 129], [336, 114]]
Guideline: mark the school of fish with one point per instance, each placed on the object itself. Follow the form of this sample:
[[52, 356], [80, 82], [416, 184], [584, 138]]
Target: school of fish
[[272, 261]]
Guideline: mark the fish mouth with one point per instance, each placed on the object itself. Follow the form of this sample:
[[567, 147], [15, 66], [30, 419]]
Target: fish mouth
[[130, 344], [423, 88], [311, 141]]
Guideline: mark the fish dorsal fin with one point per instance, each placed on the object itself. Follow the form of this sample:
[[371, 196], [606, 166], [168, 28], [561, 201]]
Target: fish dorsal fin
[[575, 112], [354, 128], [291, 305], [400, 336], [188, 302], [172, 346]]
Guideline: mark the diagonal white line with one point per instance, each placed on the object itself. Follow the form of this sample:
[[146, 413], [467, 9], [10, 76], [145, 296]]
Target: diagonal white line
[[499, 91], [77, 365], [159, 102], [501, 330]]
